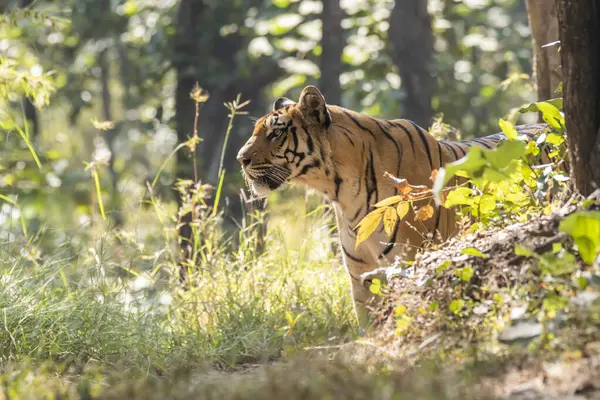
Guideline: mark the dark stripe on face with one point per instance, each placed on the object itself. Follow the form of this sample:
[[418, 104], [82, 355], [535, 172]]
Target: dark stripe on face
[[410, 136], [425, 143], [364, 128], [448, 146], [309, 144], [307, 167], [295, 137], [338, 183], [350, 256]]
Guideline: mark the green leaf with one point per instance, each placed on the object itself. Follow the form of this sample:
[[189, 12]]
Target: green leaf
[[584, 228], [459, 196], [465, 273], [400, 310], [487, 204], [434, 306], [443, 267], [471, 164], [551, 114], [456, 306], [534, 107], [555, 139], [281, 3], [492, 165], [532, 148], [375, 287], [523, 251], [508, 150], [554, 303], [558, 264], [508, 129], [472, 251]]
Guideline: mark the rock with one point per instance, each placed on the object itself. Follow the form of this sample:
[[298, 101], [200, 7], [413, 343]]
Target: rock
[[522, 331]]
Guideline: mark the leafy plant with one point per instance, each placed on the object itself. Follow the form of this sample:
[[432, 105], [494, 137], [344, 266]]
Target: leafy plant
[[584, 228]]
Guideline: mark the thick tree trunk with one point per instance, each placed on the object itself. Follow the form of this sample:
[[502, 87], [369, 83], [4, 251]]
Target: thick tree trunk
[[332, 43], [579, 27], [410, 45], [544, 28]]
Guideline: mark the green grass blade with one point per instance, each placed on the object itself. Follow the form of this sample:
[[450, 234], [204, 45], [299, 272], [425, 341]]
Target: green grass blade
[[21, 217], [165, 163], [25, 138], [218, 194], [98, 192]]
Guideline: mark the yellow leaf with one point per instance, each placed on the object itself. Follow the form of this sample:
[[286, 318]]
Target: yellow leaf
[[389, 220], [368, 224], [508, 129], [389, 201], [366, 219], [402, 209], [424, 213]]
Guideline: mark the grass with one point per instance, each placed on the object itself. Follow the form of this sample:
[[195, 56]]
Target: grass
[[116, 301]]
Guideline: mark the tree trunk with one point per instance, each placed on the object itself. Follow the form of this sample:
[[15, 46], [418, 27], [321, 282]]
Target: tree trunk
[[332, 43], [544, 28], [110, 135], [31, 115], [410, 44], [579, 28]]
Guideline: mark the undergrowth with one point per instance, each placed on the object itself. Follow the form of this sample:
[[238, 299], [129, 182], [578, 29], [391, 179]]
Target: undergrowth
[[120, 301]]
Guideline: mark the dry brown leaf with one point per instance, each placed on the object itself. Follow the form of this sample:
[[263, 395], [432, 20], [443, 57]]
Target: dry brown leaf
[[433, 175], [420, 195], [424, 213]]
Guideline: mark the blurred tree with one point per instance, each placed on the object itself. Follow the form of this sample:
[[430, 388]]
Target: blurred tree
[[410, 44], [544, 28], [579, 28], [332, 44]]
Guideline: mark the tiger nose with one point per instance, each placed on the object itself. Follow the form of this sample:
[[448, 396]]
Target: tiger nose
[[245, 161]]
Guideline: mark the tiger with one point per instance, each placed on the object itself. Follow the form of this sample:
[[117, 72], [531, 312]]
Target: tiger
[[343, 155]]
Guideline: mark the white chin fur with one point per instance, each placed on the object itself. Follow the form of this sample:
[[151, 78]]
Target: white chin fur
[[260, 190]]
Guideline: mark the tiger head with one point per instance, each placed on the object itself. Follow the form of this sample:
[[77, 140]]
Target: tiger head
[[288, 144]]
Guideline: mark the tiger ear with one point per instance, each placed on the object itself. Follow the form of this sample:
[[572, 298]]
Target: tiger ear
[[313, 107], [282, 102]]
